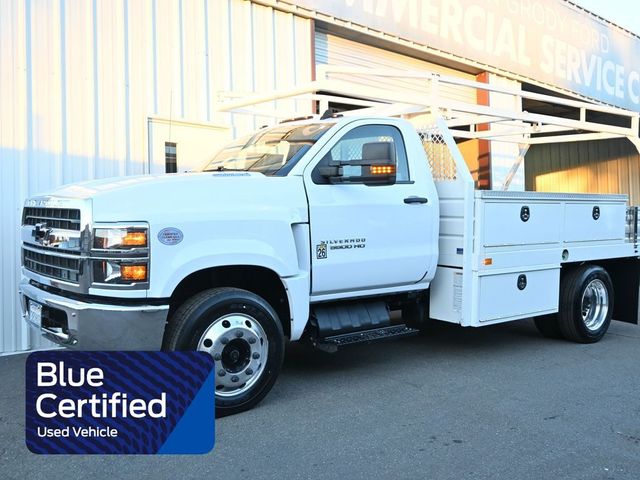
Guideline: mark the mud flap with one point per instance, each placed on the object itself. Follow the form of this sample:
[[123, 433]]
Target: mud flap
[[625, 275]]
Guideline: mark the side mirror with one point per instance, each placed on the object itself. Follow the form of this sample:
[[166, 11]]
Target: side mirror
[[377, 166], [378, 172]]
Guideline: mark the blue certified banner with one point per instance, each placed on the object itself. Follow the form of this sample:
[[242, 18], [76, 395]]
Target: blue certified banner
[[120, 402]]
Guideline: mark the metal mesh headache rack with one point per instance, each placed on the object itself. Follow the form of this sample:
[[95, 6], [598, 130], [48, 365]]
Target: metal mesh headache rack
[[441, 161]]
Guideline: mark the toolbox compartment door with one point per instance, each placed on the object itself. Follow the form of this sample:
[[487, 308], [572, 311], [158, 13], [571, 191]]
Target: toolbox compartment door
[[521, 223], [594, 221], [519, 294]]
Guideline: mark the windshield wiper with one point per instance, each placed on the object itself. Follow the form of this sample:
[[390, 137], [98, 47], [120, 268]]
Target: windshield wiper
[[222, 168]]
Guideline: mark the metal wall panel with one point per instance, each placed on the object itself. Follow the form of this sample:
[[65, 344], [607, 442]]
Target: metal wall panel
[[14, 139], [335, 50], [603, 166], [79, 79]]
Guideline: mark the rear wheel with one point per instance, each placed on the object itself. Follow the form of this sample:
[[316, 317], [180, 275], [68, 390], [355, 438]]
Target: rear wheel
[[242, 333], [586, 304]]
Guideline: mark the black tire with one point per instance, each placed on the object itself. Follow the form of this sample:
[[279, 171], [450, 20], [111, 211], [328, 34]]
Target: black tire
[[548, 326], [570, 316], [202, 313]]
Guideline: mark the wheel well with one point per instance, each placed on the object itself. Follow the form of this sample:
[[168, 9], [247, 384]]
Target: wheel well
[[259, 280], [625, 276]]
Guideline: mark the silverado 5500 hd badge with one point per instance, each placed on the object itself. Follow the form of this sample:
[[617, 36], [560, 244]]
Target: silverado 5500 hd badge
[[339, 244]]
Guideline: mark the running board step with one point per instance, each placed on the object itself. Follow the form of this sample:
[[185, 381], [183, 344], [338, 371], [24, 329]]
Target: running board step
[[331, 344], [341, 318]]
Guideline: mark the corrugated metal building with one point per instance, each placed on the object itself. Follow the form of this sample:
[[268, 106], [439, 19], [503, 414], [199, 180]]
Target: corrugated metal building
[[80, 80], [610, 166], [98, 88]]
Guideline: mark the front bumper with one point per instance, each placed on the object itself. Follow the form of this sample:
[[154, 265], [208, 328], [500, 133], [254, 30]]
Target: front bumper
[[96, 326]]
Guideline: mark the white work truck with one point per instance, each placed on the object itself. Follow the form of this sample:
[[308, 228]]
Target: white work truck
[[318, 230]]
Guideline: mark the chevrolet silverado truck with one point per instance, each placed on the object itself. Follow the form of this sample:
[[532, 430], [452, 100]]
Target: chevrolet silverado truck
[[335, 231]]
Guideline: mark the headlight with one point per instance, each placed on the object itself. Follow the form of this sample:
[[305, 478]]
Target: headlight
[[120, 255], [118, 272], [120, 238]]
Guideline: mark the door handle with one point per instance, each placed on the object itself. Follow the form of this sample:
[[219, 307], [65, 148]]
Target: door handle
[[415, 200]]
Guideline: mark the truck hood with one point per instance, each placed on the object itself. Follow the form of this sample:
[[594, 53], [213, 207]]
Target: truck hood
[[188, 196]]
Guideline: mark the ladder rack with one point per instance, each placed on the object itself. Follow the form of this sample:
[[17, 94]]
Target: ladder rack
[[465, 120]]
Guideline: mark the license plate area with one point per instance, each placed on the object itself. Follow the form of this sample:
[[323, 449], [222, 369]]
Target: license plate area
[[48, 318], [35, 313]]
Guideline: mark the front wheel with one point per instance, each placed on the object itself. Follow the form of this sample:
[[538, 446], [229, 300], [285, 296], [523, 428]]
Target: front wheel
[[586, 304], [242, 333]]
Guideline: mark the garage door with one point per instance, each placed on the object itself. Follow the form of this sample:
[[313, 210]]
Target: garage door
[[334, 50]]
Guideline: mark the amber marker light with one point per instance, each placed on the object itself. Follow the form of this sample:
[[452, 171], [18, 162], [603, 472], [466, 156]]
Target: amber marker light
[[133, 273], [488, 261], [135, 239], [383, 169]]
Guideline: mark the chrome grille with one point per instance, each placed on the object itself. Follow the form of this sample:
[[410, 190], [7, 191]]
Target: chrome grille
[[65, 267], [64, 218]]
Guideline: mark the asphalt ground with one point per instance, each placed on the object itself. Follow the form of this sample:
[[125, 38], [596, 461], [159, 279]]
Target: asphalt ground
[[498, 402]]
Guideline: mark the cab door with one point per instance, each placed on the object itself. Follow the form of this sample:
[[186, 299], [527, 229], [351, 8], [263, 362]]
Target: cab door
[[367, 236]]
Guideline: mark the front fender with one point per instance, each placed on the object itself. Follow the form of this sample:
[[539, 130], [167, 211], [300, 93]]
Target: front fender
[[167, 271]]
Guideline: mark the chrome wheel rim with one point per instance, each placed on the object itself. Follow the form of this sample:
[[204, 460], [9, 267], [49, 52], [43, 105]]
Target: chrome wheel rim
[[239, 346], [595, 305]]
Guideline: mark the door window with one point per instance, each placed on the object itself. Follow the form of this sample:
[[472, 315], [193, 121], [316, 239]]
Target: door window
[[363, 142]]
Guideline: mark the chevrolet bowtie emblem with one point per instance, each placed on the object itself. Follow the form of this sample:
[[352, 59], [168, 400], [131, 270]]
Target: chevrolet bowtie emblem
[[40, 232]]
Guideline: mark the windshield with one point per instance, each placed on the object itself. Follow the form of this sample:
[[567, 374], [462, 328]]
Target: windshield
[[273, 151]]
